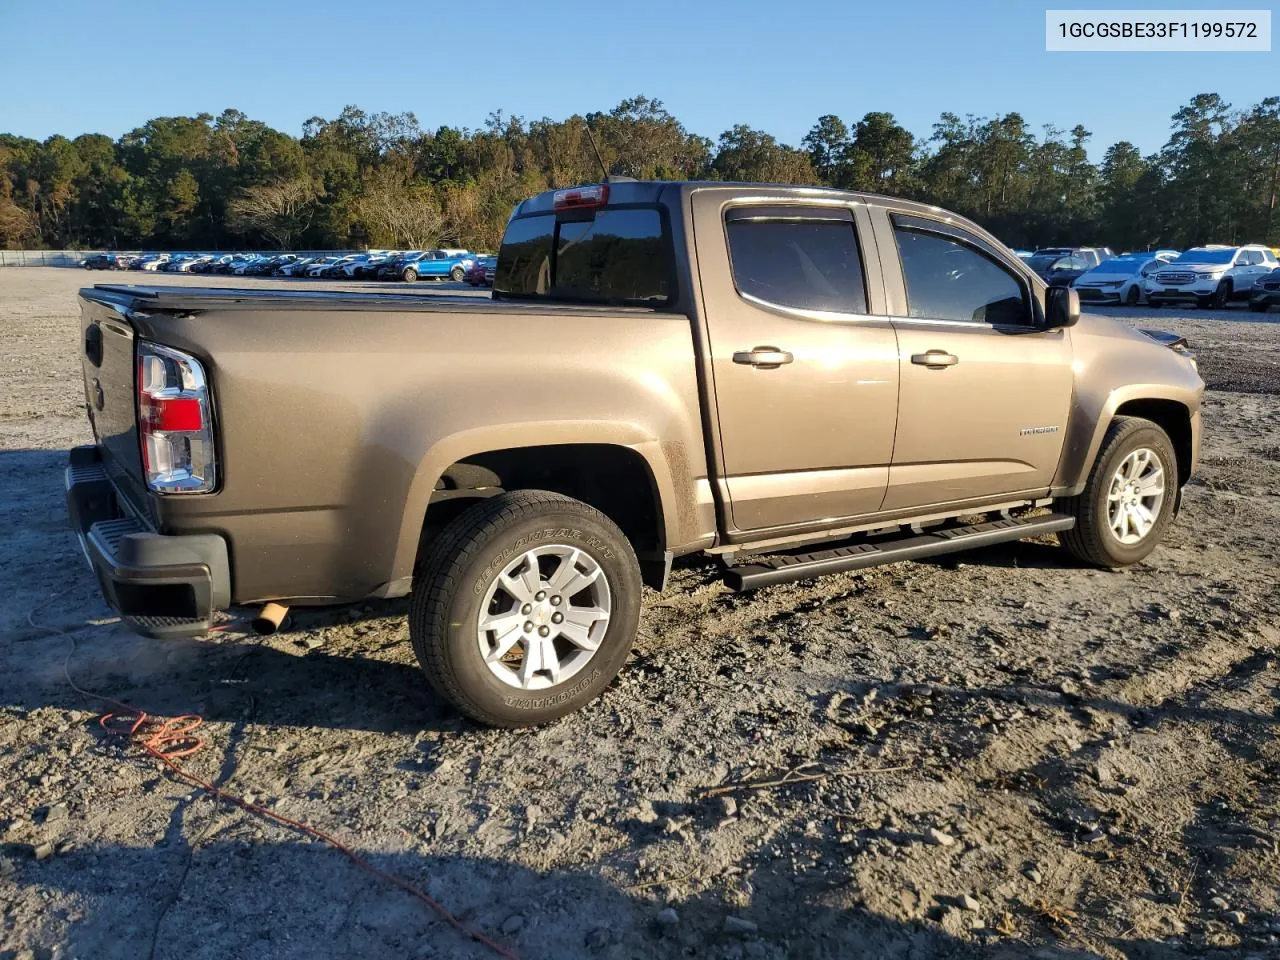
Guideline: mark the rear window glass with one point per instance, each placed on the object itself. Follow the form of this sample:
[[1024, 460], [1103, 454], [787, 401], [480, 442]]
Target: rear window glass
[[617, 256], [803, 264]]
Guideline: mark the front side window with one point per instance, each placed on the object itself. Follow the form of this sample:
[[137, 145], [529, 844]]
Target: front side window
[[802, 264], [950, 280]]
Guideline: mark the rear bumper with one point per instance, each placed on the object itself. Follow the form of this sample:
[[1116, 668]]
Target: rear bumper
[[163, 586]]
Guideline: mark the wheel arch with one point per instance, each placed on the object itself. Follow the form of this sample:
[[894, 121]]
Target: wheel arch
[[1174, 411], [1174, 419], [625, 478]]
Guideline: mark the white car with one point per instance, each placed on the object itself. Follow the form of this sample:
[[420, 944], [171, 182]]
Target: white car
[[1211, 275], [1120, 279], [349, 265], [155, 263], [295, 268], [242, 266], [317, 267]]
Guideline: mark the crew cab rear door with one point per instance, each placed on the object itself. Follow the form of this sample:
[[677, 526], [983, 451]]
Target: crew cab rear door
[[986, 389], [803, 366]]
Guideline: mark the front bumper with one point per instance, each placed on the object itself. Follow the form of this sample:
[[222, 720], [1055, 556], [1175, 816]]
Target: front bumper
[[1098, 294], [1270, 297], [163, 586], [1184, 291]]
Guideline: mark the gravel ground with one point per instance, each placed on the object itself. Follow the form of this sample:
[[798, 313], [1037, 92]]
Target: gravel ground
[[999, 754]]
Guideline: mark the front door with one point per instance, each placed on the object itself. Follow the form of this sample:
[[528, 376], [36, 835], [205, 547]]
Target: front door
[[805, 376], [985, 391]]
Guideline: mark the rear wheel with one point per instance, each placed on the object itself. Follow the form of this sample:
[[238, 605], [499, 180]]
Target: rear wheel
[[525, 608], [408, 275], [1128, 501], [456, 274]]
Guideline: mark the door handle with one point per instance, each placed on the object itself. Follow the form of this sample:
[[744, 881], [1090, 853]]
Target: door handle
[[766, 358], [935, 358]]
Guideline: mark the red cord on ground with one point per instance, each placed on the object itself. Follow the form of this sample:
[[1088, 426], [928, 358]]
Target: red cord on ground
[[167, 739]]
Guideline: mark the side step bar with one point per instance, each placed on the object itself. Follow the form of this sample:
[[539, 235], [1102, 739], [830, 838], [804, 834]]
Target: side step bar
[[802, 566]]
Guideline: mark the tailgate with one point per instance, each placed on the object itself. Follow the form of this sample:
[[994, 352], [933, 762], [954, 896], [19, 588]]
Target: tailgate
[[107, 357]]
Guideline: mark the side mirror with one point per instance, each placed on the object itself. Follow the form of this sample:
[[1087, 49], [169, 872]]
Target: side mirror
[[1061, 307]]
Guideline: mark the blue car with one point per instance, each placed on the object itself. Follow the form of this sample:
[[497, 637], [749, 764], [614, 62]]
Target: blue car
[[436, 264]]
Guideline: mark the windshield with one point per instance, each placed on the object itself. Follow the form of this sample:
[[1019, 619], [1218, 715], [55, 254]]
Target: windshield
[[1123, 266], [1206, 256], [619, 255]]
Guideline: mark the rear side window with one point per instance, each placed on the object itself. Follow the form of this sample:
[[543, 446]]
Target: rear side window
[[619, 255], [950, 280], [802, 264]]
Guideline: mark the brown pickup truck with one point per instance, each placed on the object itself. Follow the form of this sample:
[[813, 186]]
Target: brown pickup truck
[[797, 381]]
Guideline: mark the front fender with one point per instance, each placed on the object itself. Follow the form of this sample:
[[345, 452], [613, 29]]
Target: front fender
[[1113, 364]]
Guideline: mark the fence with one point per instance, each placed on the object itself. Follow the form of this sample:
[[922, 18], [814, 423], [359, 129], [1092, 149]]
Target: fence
[[72, 258]]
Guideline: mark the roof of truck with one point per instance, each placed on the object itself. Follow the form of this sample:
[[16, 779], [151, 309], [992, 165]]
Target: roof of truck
[[627, 190]]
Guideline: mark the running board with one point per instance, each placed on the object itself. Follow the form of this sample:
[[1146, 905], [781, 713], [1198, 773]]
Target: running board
[[802, 566]]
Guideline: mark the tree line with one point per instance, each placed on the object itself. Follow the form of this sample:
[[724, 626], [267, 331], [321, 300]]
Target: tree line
[[381, 180]]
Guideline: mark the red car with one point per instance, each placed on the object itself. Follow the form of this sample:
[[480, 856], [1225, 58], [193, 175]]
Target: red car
[[481, 272]]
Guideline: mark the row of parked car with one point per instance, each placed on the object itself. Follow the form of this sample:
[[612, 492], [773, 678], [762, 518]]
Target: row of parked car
[[406, 265], [1208, 276]]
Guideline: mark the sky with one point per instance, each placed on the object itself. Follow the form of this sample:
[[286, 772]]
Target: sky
[[75, 67]]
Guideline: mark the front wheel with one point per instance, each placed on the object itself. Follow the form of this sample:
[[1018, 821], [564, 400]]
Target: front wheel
[[409, 275], [1128, 501], [1220, 296], [456, 274], [1133, 296], [525, 607]]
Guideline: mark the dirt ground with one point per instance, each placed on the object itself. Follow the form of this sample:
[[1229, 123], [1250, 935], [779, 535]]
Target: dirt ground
[[1009, 755]]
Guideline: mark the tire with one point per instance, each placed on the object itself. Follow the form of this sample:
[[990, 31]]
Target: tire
[[457, 274], [1093, 539], [1220, 296], [409, 275], [460, 575], [1133, 297]]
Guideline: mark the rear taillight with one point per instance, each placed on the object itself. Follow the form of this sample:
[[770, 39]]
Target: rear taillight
[[581, 197], [174, 423]]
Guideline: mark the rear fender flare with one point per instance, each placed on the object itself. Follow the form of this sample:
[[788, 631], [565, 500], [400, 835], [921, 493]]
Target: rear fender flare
[[470, 443]]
